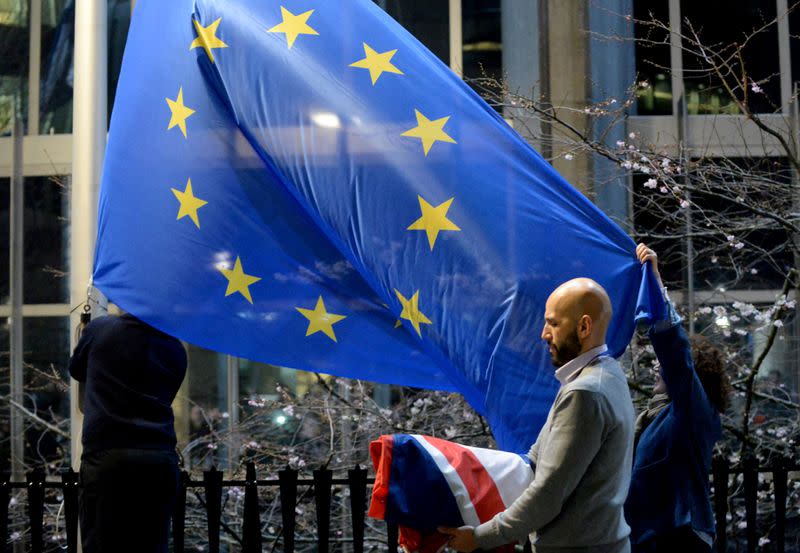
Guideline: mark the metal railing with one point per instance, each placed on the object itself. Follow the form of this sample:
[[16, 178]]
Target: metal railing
[[357, 483]]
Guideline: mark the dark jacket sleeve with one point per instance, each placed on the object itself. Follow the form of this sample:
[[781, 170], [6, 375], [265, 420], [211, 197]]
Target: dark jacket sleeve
[[80, 356], [690, 404]]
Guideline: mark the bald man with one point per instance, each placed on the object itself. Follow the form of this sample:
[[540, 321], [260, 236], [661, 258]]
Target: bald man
[[583, 454]]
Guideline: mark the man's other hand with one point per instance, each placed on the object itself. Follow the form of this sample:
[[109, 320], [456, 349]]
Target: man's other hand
[[461, 539]]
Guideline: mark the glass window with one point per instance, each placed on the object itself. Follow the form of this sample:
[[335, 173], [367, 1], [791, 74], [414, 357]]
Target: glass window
[[58, 26], [652, 58], [46, 347], [794, 43], [260, 380], [5, 199], [762, 259], [428, 21], [207, 406], [14, 61], [46, 238], [765, 259], [119, 20], [5, 413], [482, 37], [720, 24], [58, 30]]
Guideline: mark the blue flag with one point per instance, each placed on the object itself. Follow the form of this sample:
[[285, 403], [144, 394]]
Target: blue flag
[[303, 183]]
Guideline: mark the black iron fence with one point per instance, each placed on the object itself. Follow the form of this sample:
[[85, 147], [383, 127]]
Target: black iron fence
[[288, 483]]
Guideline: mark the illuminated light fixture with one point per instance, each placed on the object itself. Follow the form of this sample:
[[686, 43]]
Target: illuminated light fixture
[[326, 119]]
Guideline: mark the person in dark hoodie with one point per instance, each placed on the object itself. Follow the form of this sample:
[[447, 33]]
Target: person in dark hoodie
[[129, 467], [668, 506]]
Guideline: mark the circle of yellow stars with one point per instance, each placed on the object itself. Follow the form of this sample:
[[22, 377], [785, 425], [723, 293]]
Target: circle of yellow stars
[[433, 218]]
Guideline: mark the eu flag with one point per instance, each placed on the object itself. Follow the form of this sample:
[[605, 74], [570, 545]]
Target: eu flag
[[303, 183]]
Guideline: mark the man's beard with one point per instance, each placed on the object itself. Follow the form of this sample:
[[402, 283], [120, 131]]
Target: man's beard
[[567, 351]]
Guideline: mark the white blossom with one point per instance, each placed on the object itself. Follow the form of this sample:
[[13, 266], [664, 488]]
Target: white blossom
[[651, 183], [778, 323], [684, 204], [296, 462], [758, 90], [569, 157]]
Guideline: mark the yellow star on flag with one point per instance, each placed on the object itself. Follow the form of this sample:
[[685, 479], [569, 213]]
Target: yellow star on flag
[[179, 112], [433, 220], [293, 25], [189, 203], [377, 63], [319, 320], [429, 131], [411, 311], [207, 38], [238, 280]]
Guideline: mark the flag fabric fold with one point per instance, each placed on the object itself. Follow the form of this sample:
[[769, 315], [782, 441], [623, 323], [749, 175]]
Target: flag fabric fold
[[305, 184], [424, 482]]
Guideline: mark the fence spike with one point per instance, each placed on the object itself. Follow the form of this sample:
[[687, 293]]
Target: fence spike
[[322, 500], [287, 479], [5, 496], [251, 526], [721, 471], [69, 481], [751, 501], [35, 482], [212, 482], [780, 482], [179, 515], [358, 505]]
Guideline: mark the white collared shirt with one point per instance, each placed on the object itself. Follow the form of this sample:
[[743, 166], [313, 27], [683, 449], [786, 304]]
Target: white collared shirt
[[568, 371]]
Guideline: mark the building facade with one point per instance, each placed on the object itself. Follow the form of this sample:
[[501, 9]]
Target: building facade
[[567, 52]]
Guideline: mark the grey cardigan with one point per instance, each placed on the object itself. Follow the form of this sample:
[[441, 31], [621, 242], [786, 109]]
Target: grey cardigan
[[583, 459]]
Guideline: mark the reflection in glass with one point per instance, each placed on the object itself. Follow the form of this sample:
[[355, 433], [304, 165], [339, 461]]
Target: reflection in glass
[[46, 346], [5, 199], [428, 21], [46, 235], [720, 25], [55, 104], [203, 411], [482, 38], [14, 54], [652, 58], [58, 40]]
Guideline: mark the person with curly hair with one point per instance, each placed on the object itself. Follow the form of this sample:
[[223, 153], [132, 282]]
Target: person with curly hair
[[668, 506]]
